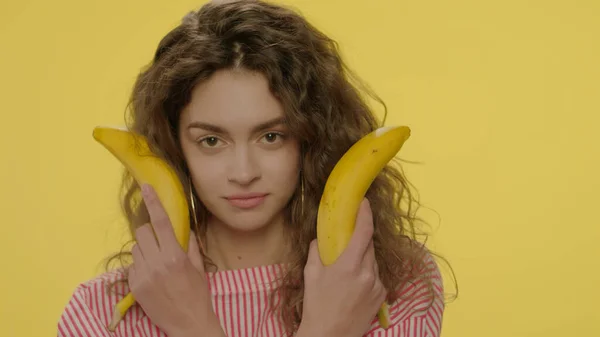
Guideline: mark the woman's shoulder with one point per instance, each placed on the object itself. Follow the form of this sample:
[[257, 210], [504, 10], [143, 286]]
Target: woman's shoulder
[[107, 287], [90, 307], [419, 305]]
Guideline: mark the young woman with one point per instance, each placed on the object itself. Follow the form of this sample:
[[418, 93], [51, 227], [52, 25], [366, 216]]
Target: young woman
[[253, 106]]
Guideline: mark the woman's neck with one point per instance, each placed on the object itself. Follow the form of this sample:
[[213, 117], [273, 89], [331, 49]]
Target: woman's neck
[[230, 249]]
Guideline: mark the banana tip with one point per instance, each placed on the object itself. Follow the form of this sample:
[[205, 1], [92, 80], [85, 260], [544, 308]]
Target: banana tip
[[115, 321], [384, 129], [384, 316], [99, 128]]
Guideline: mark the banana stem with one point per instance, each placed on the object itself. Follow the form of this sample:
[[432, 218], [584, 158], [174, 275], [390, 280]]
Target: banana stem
[[120, 311], [384, 315]]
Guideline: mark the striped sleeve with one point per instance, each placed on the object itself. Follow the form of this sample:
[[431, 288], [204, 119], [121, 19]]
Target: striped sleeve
[[79, 319], [434, 315], [421, 316], [88, 311]]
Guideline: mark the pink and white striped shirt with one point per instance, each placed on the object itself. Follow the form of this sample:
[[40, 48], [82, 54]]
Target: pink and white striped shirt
[[240, 299]]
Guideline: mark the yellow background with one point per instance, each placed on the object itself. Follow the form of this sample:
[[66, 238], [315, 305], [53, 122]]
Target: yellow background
[[502, 97]]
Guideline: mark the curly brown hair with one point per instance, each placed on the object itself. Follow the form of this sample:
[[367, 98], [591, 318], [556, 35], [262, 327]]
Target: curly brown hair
[[324, 108]]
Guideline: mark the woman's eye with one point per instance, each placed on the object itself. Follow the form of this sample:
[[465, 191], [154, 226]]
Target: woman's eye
[[209, 141], [272, 137]]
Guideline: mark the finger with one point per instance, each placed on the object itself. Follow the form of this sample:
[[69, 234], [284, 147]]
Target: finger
[[375, 269], [194, 253], [131, 274], [381, 292], [137, 255], [146, 242], [363, 234], [368, 259], [313, 253], [159, 219]]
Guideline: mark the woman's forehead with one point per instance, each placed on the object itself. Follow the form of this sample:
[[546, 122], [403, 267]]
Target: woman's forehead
[[234, 98]]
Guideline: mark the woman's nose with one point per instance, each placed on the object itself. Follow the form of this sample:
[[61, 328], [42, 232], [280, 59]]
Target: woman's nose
[[243, 169]]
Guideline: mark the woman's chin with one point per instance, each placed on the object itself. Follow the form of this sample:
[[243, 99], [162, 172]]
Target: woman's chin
[[248, 223]]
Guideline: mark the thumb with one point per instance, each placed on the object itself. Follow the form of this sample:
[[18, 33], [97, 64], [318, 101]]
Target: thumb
[[194, 253]]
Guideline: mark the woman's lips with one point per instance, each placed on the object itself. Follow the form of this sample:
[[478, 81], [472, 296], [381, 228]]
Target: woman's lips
[[247, 201]]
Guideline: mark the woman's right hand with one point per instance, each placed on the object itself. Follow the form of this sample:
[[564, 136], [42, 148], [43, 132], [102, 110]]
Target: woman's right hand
[[343, 299]]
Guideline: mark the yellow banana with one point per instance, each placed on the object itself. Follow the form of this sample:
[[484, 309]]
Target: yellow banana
[[345, 189], [133, 152]]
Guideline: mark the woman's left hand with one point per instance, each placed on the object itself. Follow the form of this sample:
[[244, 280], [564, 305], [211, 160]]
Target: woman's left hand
[[170, 285]]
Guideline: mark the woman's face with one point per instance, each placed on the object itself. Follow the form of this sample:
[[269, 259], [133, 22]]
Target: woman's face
[[243, 161]]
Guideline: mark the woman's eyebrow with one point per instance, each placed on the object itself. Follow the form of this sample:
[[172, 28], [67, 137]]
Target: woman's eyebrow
[[218, 129]]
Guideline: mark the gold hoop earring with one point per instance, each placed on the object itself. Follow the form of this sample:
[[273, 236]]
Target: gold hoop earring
[[195, 217], [193, 203], [302, 194]]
